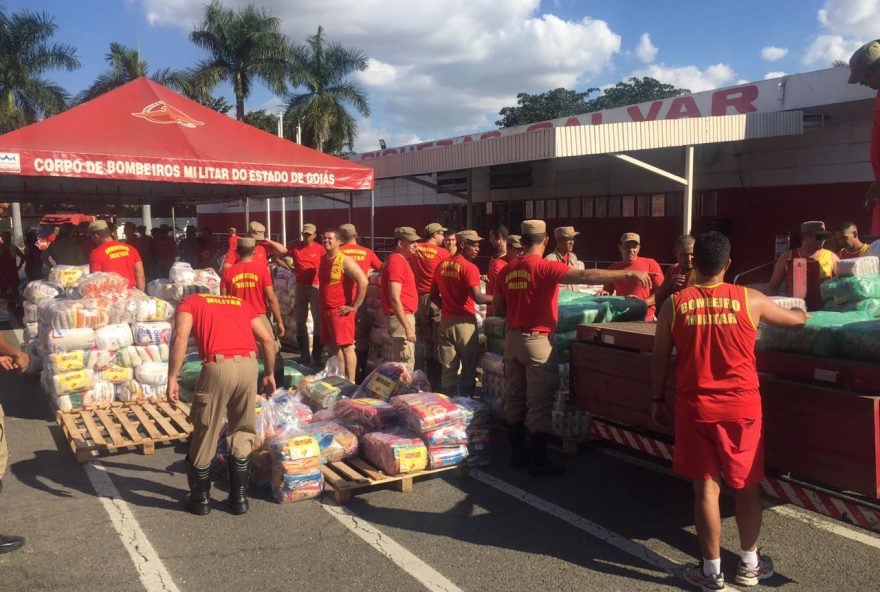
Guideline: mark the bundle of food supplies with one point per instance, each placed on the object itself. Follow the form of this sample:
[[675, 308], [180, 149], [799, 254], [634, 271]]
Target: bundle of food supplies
[[476, 418], [95, 285], [395, 451], [66, 276], [821, 336], [391, 379], [858, 266], [860, 341], [841, 290], [322, 390], [495, 330], [494, 383], [183, 281], [335, 441], [366, 415], [93, 313], [296, 467], [439, 421]]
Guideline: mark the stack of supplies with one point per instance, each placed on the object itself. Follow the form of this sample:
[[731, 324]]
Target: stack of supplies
[[395, 451]]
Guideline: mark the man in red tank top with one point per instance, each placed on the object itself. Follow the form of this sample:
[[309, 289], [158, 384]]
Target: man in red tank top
[[342, 287], [713, 326], [369, 263]]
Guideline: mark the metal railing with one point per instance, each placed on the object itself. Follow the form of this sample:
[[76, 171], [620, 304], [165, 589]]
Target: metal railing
[[737, 277]]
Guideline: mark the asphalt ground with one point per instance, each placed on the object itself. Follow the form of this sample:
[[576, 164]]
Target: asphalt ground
[[614, 521]]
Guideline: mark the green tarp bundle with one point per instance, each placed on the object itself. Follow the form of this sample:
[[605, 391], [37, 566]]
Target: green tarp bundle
[[870, 306], [851, 288], [861, 341], [821, 336]]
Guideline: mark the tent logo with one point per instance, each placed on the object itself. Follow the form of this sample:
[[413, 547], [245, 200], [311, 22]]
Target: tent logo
[[163, 113], [10, 162]]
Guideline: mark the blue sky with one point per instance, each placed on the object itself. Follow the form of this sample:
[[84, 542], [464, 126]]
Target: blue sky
[[441, 68]]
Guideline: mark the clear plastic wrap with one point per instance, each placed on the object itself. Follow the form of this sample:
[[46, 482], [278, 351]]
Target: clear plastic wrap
[[114, 375], [819, 337], [446, 456], [113, 337], [156, 288], [152, 373], [68, 340], [67, 275], [336, 442], [208, 278], [287, 488], [149, 309], [870, 306], [58, 363], [152, 333], [869, 265], [850, 288], [322, 390], [100, 359], [788, 302], [98, 284], [76, 314], [451, 435], [135, 391], [391, 379], [30, 313], [177, 292], [181, 273], [371, 414], [423, 412], [69, 382], [38, 291], [286, 412], [395, 451]]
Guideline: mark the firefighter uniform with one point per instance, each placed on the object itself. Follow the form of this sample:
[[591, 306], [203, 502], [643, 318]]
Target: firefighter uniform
[[570, 259], [424, 265]]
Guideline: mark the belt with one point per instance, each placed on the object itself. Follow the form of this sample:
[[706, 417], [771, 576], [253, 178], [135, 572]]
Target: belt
[[529, 333], [460, 318], [236, 358]]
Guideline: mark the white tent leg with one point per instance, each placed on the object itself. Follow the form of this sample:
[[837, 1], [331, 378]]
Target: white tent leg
[[301, 219], [688, 206], [268, 218], [147, 217], [247, 215], [284, 220], [173, 225], [373, 219], [17, 231]]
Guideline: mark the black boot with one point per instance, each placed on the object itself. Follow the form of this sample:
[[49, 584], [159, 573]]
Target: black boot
[[433, 370], [519, 452], [361, 371], [198, 501], [8, 543], [305, 357], [317, 352], [238, 484], [540, 464]]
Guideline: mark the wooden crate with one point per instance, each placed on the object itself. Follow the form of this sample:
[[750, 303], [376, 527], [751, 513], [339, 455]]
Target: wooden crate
[[353, 475], [120, 426]]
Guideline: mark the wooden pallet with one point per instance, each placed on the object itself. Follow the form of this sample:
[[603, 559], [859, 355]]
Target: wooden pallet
[[120, 426], [353, 475]]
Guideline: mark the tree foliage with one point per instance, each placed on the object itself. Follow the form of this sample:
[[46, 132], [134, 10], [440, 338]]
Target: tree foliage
[[244, 46], [327, 93], [27, 52], [262, 119], [125, 66], [562, 102]]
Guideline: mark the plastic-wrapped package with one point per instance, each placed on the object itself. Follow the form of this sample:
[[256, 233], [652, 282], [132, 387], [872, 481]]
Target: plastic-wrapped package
[[31, 313], [861, 341], [189, 374], [870, 306], [294, 373], [177, 292], [493, 363], [572, 315], [788, 302], [395, 451], [114, 375], [148, 309], [321, 392], [391, 379], [619, 309], [128, 357], [850, 288], [207, 277], [296, 451], [67, 275], [287, 412], [563, 343], [113, 337], [869, 265], [819, 337], [451, 435], [336, 442], [181, 273], [68, 340], [98, 284], [287, 488], [323, 415], [495, 345], [59, 363], [152, 353], [152, 333], [156, 288], [475, 413], [69, 382], [371, 414], [446, 456], [101, 393], [38, 291], [152, 373], [135, 391], [75, 314], [31, 330], [423, 412], [495, 327]]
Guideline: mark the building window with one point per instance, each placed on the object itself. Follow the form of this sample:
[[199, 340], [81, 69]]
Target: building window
[[551, 208], [658, 205], [529, 210], [588, 207], [576, 208], [563, 208], [628, 206], [601, 205], [510, 176], [673, 204], [614, 207], [539, 209], [643, 208]]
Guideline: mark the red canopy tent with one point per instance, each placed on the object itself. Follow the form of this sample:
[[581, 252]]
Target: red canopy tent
[[143, 143]]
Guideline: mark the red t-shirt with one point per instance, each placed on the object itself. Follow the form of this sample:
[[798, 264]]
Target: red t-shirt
[[306, 259], [714, 335], [261, 255], [221, 324], [424, 264], [164, 248], [247, 280], [335, 288], [456, 279], [116, 257], [363, 256], [633, 287], [530, 287], [396, 269]]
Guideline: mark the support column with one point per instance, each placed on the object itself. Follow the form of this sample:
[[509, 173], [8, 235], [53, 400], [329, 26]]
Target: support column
[[268, 218], [373, 219], [301, 216], [247, 215], [147, 217], [17, 231], [284, 220], [688, 206]]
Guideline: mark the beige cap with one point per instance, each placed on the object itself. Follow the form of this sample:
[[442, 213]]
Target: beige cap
[[309, 229], [514, 241], [258, 231], [630, 237], [433, 228], [533, 227], [98, 225], [816, 227], [406, 233], [863, 60], [232, 229], [247, 241], [347, 230], [468, 235], [566, 232]]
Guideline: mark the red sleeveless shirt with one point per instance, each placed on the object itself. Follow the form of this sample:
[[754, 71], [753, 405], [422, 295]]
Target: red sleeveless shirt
[[335, 288]]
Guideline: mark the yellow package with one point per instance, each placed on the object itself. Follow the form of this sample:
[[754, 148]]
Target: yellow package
[[67, 362], [116, 374], [413, 459], [73, 381]]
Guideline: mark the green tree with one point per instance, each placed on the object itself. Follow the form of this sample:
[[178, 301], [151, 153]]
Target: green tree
[[26, 52], [562, 102], [262, 119], [125, 66], [244, 47], [322, 108]]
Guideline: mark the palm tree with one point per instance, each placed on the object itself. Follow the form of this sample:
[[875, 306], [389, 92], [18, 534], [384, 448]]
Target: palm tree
[[244, 47], [324, 68], [25, 54], [125, 66]]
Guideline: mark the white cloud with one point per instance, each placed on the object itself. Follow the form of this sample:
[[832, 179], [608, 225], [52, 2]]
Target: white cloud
[[771, 53], [645, 50], [689, 77], [770, 75], [825, 49], [445, 66], [369, 136]]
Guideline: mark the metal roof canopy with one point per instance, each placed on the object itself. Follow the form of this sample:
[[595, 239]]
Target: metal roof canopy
[[612, 139]]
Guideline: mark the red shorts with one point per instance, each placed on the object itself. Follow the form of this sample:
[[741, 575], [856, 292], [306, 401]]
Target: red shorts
[[337, 330], [709, 449]]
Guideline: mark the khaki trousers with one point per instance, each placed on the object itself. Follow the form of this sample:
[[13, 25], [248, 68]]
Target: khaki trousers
[[227, 388], [459, 348], [427, 328], [305, 297], [402, 351], [532, 374], [4, 450]]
